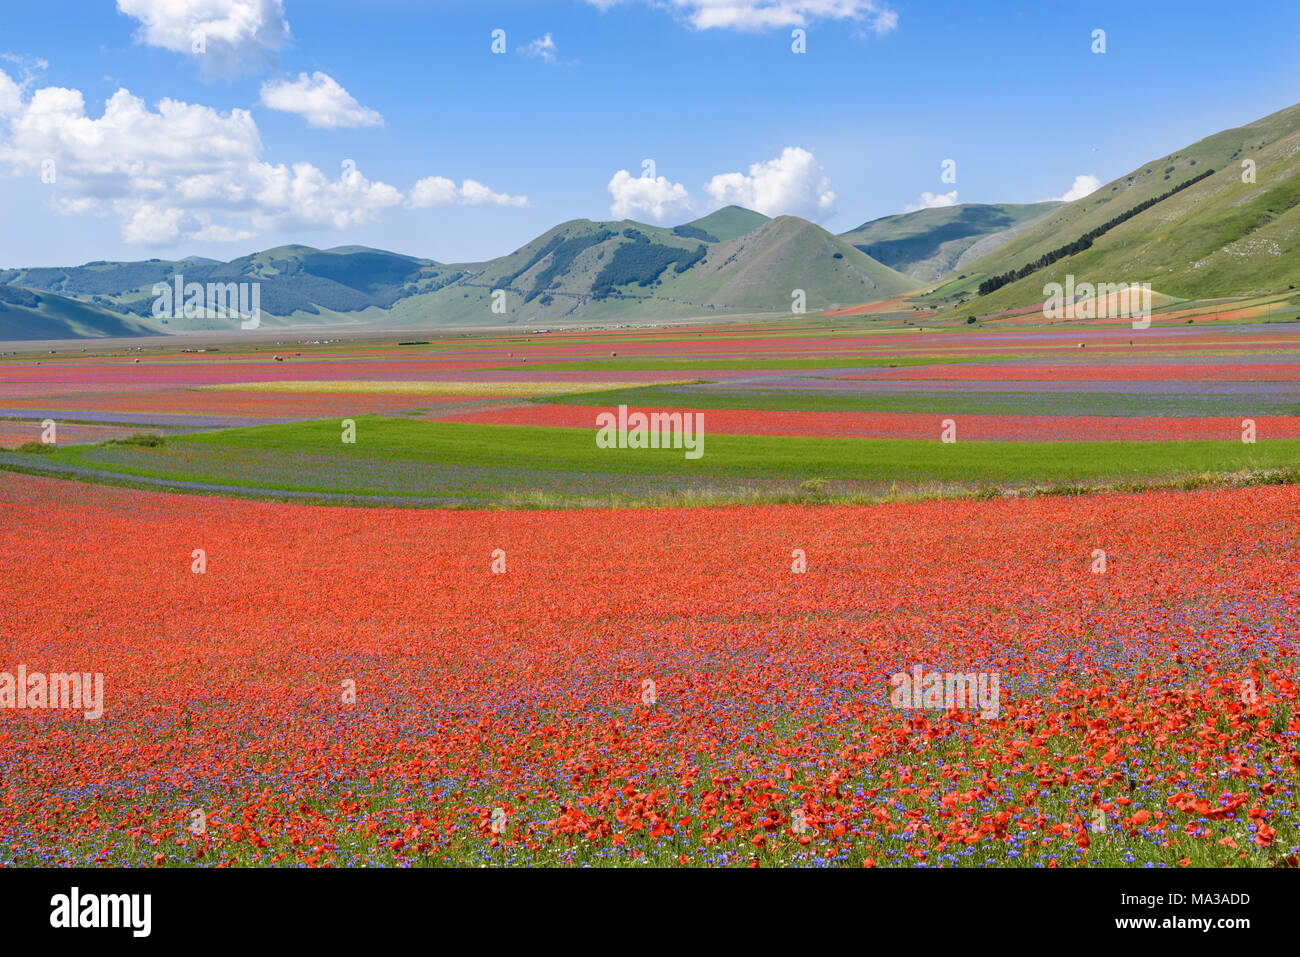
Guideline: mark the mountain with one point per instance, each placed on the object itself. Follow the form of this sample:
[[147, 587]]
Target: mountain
[[1217, 219], [27, 314], [298, 283], [730, 222], [932, 243], [1191, 223], [733, 261], [628, 270]]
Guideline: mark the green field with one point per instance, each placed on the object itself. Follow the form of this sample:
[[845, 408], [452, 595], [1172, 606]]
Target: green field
[[486, 465]]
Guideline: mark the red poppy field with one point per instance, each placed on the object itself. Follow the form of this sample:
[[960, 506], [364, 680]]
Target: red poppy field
[[1067, 639], [1145, 713]]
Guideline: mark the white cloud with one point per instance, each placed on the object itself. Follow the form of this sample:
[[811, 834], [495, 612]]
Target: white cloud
[[70, 206], [11, 96], [434, 191], [13, 91], [753, 15], [1083, 186], [792, 184], [30, 65], [932, 200], [884, 21], [221, 234], [185, 171], [440, 191], [303, 196], [234, 34], [474, 193], [655, 198], [151, 225], [543, 48], [320, 101]]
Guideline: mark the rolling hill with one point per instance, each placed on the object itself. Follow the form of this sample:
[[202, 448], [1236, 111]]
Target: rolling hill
[[298, 284], [1217, 219], [627, 270], [26, 314], [932, 243], [730, 222], [733, 261], [1190, 223]]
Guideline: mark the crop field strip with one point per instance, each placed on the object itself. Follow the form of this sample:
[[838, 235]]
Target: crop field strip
[[772, 687]]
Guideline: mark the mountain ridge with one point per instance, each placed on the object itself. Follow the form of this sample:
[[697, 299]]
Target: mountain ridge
[[928, 244], [1192, 224], [732, 261], [1209, 236]]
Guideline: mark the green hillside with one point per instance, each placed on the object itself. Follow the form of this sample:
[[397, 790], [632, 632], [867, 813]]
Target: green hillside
[[28, 314], [932, 243], [299, 283], [733, 261], [759, 271], [730, 222], [1200, 238], [627, 270], [1190, 224]]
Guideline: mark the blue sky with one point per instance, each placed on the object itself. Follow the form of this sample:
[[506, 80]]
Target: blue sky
[[462, 154]]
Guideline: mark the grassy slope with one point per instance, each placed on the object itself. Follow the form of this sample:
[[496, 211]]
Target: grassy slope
[[730, 222], [29, 314], [469, 300], [298, 283], [755, 273], [1219, 237], [931, 243], [759, 271]]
